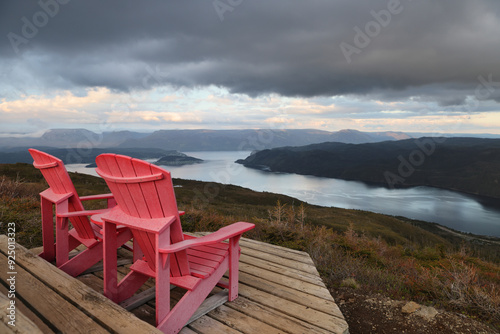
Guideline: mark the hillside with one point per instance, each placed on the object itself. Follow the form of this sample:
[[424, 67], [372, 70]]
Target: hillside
[[373, 264], [470, 165]]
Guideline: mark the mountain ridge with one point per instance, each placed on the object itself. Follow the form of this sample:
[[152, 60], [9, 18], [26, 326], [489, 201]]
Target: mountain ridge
[[194, 140], [202, 139]]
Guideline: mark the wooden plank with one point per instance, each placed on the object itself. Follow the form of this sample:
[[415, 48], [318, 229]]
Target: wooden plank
[[273, 317], [146, 313], [277, 250], [327, 321], [99, 266], [290, 282], [266, 244], [6, 329], [125, 253], [278, 268], [241, 321], [37, 250], [92, 281], [208, 325], [186, 330], [92, 303], [27, 312], [54, 308], [139, 299], [311, 269], [20, 322], [209, 304], [282, 291]]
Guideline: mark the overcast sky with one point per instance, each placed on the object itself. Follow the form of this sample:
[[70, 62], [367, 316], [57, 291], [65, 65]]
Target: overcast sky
[[422, 66]]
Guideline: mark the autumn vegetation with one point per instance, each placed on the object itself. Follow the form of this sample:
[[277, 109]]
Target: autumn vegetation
[[372, 253]]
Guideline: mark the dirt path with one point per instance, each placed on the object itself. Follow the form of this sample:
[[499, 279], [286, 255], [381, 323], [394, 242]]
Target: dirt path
[[468, 237]]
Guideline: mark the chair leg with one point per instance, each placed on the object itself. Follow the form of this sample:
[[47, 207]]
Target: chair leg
[[83, 260], [62, 241], [133, 281], [122, 237], [73, 243], [234, 256], [110, 261], [90, 256], [174, 321], [49, 249], [129, 285], [162, 277]]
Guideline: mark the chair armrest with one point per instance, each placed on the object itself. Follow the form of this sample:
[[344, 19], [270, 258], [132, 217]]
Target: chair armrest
[[53, 197], [100, 196], [81, 213], [222, 234], [154, 225]]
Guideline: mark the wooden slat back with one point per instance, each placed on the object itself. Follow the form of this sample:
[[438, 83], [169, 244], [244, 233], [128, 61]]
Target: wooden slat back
[[57, 177], [144, 190]]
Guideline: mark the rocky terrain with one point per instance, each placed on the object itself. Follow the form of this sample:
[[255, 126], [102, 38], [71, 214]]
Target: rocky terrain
[[379, 314]]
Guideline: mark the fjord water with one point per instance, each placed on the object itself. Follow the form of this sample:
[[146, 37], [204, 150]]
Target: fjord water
[[456, 210]]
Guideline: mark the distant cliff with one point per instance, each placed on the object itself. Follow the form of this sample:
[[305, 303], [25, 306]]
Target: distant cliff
[[470, 165]]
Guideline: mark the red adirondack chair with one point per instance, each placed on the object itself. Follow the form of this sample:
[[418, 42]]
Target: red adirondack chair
[[147, 205], [68, 205]]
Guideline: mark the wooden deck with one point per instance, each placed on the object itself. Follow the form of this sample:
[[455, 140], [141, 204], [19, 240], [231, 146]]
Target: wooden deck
[[280, 292]]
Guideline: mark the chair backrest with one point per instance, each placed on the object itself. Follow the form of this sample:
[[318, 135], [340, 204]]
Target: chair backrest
[[57, 177], [144, 190]]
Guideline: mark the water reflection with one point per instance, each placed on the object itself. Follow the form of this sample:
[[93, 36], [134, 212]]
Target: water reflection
[[455, 210]]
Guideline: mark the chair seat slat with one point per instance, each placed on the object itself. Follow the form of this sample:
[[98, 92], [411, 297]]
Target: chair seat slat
[[202, 261], [205, 255]]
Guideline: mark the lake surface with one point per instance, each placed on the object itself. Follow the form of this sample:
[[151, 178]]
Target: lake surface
[[456, 210]]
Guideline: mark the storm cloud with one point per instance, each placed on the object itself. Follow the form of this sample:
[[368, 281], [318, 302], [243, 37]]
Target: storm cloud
[[435, 50]]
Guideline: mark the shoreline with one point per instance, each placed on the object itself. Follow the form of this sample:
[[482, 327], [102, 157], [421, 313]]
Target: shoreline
[[373, 183], [480, 200]]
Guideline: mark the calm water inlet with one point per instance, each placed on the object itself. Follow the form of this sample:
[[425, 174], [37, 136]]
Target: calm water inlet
[[456, 210]]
